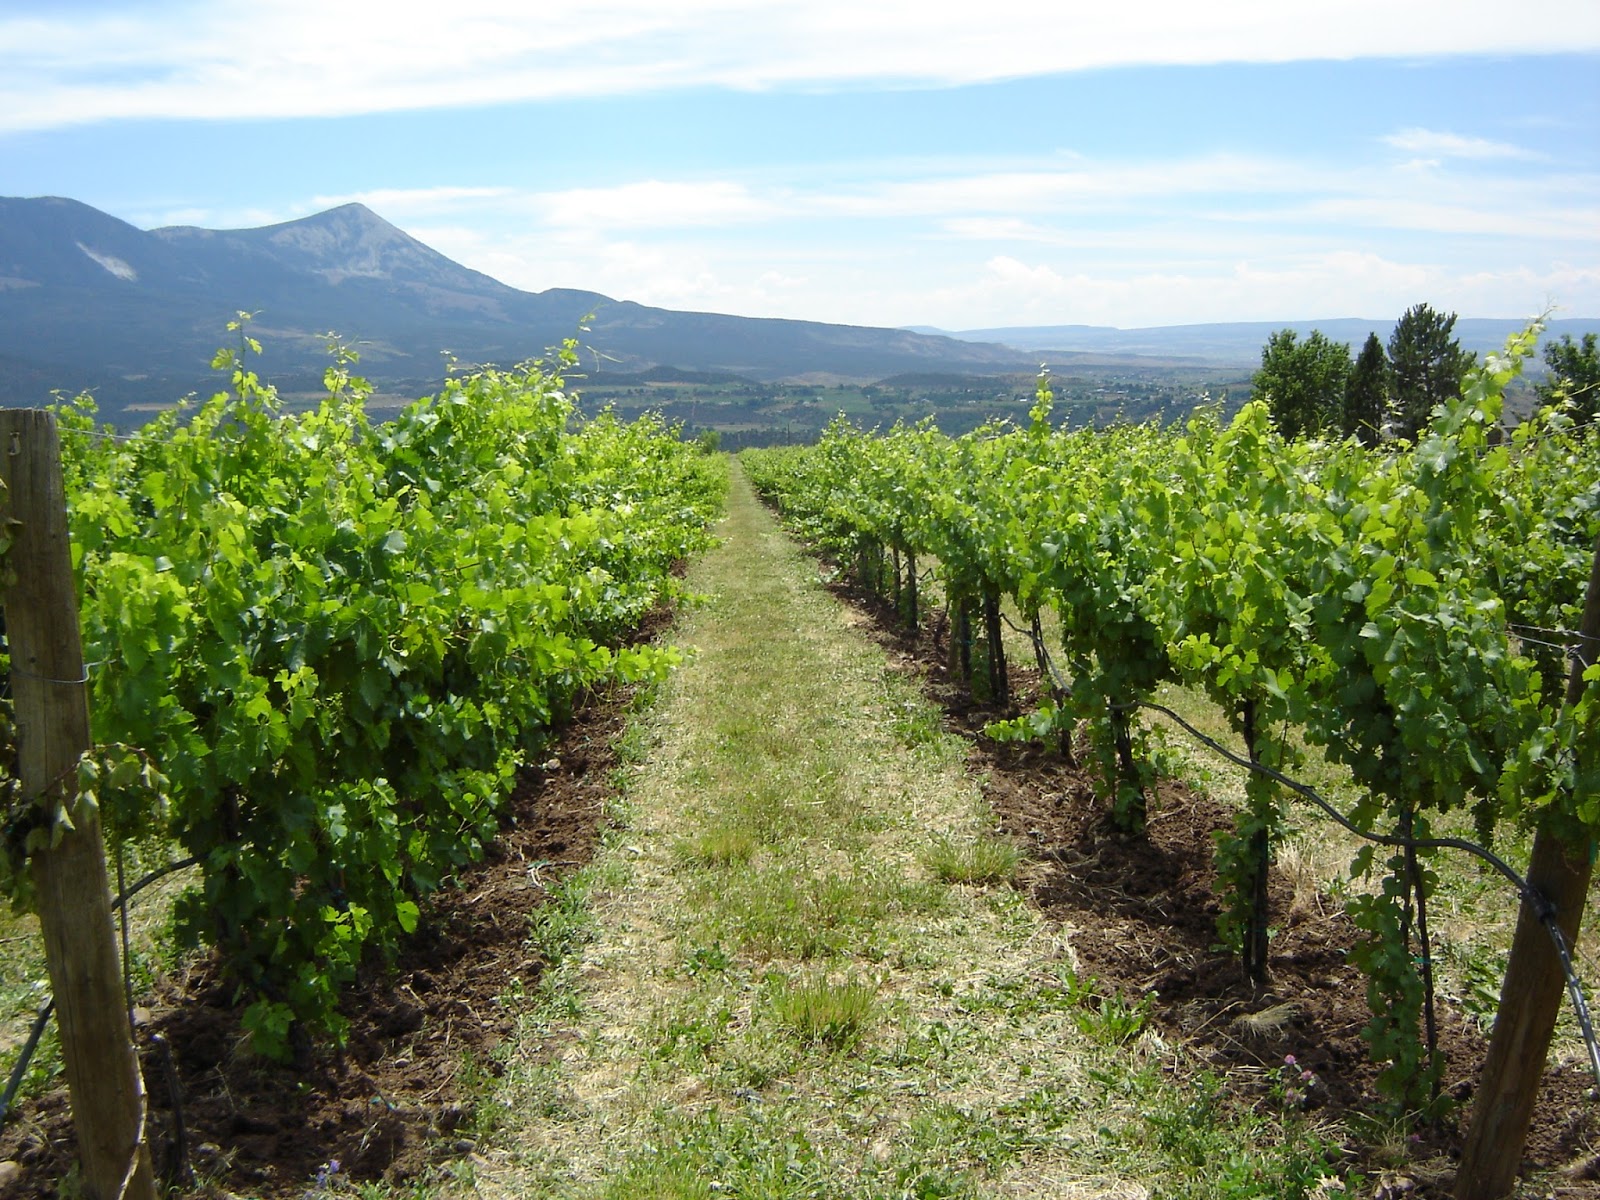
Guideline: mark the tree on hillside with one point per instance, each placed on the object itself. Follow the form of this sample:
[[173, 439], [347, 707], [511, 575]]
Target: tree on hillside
[[1302, 383], [1366, 394], [1426, 366], [1574, 375]]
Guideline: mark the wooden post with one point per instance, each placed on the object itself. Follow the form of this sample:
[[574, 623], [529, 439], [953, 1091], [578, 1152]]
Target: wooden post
[[1530, 998], [72, 894], [913, 604], [999, 681]]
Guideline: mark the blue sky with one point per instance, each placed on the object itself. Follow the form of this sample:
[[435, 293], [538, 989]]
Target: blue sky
[[873, 162]]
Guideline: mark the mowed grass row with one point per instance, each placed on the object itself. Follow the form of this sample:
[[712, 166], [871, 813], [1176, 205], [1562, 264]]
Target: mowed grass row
[[797, 968]]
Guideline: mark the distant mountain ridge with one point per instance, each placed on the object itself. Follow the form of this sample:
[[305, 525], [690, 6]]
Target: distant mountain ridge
[[89, 301], [1235, 343]]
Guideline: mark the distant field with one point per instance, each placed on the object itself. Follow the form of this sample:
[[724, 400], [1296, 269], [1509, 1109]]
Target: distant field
[[750, 413], [747, 412]]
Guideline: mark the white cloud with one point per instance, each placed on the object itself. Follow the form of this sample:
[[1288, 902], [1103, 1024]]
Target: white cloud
[[1010, 292], [880, 286], [1538, 221], [1082, 186], [1173, 207], [653, 203], [1133, 243], [999, 229], [777, 279], [230, 59], [1436, 145], [976, 204], [1007, 272]]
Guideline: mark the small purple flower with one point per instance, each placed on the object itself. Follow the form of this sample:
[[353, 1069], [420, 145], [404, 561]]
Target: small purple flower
[[325, 1176]]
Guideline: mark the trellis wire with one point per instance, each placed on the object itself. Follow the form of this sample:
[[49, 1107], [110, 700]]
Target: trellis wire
[[119, 902]]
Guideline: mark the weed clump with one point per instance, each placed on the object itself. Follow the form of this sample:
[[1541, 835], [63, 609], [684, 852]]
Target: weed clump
[[985, 860], [824, 1012]]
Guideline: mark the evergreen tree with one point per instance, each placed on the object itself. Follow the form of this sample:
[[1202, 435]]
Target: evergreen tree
[[1366, 394], [1426, 366], [1303, 383], [1574, 375]]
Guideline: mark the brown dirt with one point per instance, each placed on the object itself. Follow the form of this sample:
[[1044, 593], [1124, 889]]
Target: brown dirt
[[1141, 914], [393, 1101]]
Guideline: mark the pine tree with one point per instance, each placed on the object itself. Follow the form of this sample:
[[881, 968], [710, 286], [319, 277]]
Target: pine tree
[[1366, 394], [1426, 365]]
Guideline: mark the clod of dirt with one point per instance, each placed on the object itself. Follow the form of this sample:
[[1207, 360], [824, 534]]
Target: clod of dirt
[[1584, 1170]]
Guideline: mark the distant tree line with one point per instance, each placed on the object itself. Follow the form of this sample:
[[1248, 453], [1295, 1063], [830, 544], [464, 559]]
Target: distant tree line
[[1314, 388]]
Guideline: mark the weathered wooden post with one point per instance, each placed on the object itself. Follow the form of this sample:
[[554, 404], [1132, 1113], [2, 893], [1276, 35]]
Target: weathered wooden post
[[1530, 998], [72, 895]]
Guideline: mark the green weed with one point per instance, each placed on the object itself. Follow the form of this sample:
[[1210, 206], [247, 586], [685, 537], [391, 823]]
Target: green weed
[[656, 1182], [822, 1011], [719, 846], [982, 860], [691, 1029], [563, 923], [708, 960], [1216, 1150], [914, 722]]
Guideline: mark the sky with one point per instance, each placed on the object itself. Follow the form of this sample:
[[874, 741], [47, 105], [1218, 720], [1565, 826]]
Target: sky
[[876, 162]]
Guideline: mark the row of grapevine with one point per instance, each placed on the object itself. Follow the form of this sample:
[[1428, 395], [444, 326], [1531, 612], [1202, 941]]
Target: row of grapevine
[[336, 640], [1405, 607]]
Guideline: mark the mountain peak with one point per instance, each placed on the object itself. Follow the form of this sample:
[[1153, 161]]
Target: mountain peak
[[353, 208], [350, 241], [345, 217], [339, 244]]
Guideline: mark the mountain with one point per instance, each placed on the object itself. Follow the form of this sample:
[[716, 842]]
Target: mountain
[[1235, 343], [88, 301]]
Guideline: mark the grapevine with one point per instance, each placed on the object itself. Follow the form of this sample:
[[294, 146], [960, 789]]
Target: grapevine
[[335, 641]]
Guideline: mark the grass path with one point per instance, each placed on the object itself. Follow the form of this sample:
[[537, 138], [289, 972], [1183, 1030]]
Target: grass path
[[793, 972]]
